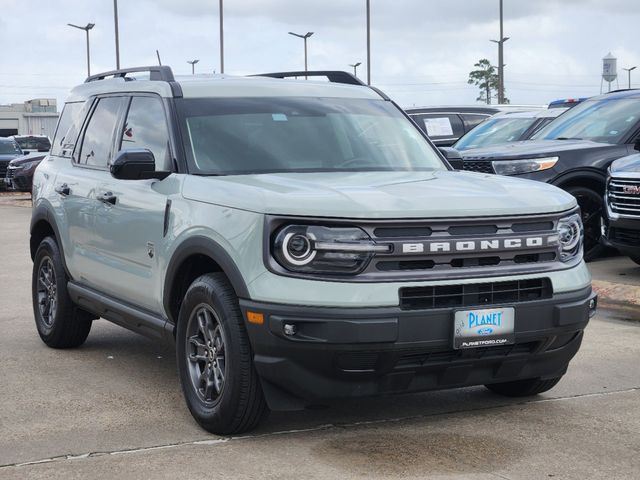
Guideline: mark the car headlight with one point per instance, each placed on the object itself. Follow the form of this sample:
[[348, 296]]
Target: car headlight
[[526, 165], [320, 249], [570, 236]]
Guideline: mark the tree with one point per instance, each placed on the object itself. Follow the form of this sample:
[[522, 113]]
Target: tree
[[486, 78]]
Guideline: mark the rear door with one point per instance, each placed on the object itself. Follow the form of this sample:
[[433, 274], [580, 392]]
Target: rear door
[[130, 217]]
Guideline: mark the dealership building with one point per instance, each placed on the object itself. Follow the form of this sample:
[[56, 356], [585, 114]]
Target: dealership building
[[33, 117]]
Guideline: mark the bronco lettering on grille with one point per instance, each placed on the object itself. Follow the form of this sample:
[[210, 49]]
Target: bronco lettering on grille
[[469, 246]]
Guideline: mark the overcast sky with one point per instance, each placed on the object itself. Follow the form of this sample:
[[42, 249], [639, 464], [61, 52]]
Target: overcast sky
[[422, 50]]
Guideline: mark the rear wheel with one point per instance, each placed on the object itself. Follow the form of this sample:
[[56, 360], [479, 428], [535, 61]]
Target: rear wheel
[[591, 207], [215, 362], [523, 388], [59, 322]]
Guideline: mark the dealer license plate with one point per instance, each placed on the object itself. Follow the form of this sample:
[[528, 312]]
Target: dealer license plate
[[487, 327]]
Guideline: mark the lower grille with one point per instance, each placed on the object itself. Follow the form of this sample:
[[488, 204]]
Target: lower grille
[[3, 169], [475, 294], [9, 172], [418, 359], [624, 196], [625, 236], [482, 167]]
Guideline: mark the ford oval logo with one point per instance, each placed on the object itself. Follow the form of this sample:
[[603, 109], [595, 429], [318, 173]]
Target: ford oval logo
[[485, 331]]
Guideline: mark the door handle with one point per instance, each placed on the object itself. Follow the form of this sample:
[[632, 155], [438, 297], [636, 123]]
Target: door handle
[[63, 190], [108, 197]]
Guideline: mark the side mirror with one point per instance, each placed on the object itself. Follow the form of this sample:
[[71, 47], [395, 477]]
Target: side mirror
[[453, 157], [636, 144], [136, 164]]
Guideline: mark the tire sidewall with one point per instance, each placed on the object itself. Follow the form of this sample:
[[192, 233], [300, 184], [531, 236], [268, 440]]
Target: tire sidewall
[[198, 294]]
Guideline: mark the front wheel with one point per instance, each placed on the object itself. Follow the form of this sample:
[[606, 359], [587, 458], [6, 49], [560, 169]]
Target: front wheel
[[215, 365], [591, 207], [523, 388]]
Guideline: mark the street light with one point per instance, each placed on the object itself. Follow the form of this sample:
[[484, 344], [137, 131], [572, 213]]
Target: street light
[[501, 59], [304, 37], [193, 65], [86, 29], [115, 23], [629, 70], [355, 68], [221, 39]]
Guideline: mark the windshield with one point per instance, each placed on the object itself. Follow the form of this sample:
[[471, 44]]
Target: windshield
[[494, 131], [226, 136], [9, 148], [41, 144], [606, 121]]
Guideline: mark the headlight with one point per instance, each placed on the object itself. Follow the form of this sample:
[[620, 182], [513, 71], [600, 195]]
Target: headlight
[[570, 235], [527, 165], [25, 166], [319, 249]]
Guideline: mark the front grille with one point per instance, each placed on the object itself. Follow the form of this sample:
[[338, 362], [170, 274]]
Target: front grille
[[3, 168], [475, 294], [482, 167], [10, 172], [624, 196], [625, 236]]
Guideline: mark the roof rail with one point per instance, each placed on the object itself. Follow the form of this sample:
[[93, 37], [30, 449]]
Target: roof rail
[[334, 76], [622, 90], [162, 73]]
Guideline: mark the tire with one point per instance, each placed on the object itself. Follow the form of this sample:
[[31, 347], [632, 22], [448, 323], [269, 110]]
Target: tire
[[523, 388], [59, 322], [591, 206], [224, 395]]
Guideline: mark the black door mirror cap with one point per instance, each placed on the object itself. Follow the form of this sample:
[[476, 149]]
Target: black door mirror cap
[[453, 157], [636, 144], [136, 164]]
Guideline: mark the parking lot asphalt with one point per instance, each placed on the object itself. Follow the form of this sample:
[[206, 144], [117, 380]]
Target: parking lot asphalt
[[113, 409]]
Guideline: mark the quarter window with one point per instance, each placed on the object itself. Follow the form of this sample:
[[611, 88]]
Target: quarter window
[[97, 146], [146, 128], [68, 128]]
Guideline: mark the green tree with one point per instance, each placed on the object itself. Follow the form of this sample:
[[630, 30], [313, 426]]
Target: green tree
[[486, 79]]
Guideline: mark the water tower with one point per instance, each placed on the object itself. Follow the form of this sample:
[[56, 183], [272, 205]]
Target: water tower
[[609, 70]]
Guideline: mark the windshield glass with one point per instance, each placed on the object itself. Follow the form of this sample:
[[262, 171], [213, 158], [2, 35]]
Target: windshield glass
[[606, 121], [494, 131], [226, 136], [9, 148]]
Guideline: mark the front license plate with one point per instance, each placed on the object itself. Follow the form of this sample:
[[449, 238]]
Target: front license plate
[[487, 327]]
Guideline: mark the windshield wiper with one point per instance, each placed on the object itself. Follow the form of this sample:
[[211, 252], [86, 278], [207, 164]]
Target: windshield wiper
[[568, 138]]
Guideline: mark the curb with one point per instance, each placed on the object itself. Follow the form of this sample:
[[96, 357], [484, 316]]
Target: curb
[[622, 298]]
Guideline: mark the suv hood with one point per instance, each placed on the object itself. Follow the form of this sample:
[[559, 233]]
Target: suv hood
[[630, 164], [531, 149], [26, 159], [440, 194]]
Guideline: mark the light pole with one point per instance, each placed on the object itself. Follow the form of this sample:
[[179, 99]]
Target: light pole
[[368, 42], [501, 58], [88, 27], [193, 65], [355, 68], [115, 23], [304, 37], [629, 70], [221, 39]]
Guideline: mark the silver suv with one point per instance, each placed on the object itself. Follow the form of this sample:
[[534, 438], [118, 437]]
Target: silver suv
[[300, 242]]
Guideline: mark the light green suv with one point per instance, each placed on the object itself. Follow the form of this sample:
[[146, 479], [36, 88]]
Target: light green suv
[[300, 242]]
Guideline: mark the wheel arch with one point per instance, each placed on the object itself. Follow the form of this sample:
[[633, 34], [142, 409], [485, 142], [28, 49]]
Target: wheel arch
[[42, 225], [194, 257], [593, 179]]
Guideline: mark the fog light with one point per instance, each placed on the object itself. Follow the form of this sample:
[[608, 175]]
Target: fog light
[[290, 329], [593, 305]]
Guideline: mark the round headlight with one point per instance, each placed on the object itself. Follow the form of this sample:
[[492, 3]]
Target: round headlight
[[297, 249], [569, 233]]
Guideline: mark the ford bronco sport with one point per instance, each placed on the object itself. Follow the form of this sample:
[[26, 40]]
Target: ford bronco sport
[[300, 242]]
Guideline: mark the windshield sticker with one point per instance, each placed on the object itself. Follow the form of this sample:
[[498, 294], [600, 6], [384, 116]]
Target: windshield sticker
[[279, 117], [438, 127]]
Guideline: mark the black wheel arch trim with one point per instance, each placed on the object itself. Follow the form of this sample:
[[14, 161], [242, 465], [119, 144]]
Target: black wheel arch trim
[[200, 245], [43, 213], [596, 175]]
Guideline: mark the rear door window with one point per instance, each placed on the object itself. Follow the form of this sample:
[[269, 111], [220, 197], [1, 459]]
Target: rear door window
[[97, 144], [472, 120], [440, 126], [68, 128]]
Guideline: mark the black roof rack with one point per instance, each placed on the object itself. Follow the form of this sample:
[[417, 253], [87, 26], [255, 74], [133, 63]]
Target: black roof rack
[[162, 73], [334, 76]]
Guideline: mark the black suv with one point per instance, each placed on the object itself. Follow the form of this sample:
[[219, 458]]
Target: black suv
[[573, 152]]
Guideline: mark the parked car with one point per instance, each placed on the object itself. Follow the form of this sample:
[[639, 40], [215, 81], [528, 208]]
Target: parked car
[[572, 152], [33, 143], [621, 224], [445, 125], [507, 127], [20, 172], [299, 242], [9, 150]]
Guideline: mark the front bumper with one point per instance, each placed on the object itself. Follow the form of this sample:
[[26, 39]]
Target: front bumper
[[353, 352], [622, 233], [19, 181]]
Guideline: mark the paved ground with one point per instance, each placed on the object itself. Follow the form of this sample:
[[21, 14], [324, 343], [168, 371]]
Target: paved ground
[[113, 409]]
